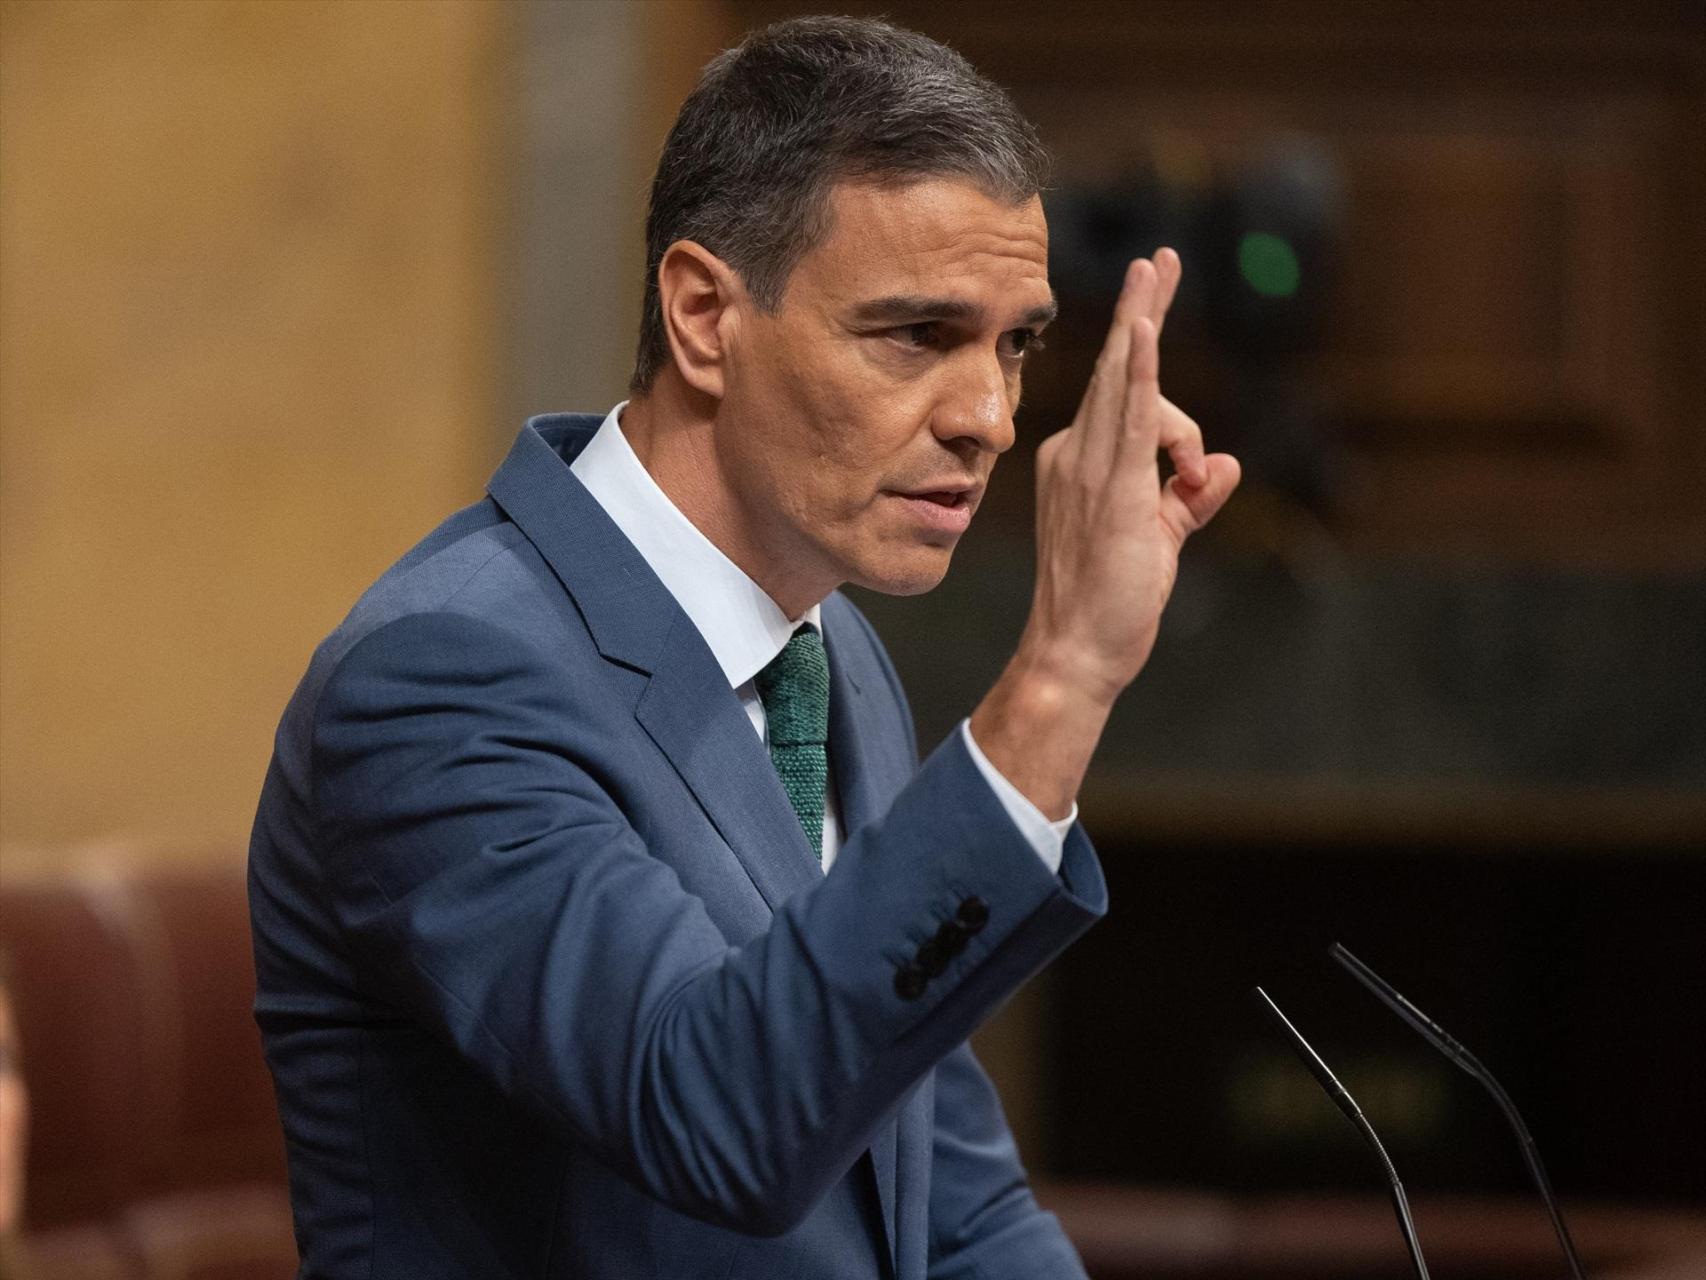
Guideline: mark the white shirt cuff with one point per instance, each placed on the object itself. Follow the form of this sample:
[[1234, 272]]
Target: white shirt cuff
[[1047, 838]]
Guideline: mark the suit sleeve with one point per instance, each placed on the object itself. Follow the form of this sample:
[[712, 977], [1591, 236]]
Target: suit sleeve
[[984, 1222], [489, 888]]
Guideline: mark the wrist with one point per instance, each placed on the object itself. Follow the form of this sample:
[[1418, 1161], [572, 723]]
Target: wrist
[[1039, 727]]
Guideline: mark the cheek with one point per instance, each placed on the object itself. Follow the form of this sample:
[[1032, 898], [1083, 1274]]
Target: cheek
[[832, 470], [826, 441], [858, 456], [851, 432]]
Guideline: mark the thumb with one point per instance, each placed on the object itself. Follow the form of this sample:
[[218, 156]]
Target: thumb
[[1185, 508]]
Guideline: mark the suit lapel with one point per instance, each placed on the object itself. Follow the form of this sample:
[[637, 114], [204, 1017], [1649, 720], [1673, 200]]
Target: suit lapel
[[687, 707], [855, 787], [710, 742], [848, 746]]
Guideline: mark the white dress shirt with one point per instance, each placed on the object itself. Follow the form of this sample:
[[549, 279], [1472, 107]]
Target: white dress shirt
[[742, 625]]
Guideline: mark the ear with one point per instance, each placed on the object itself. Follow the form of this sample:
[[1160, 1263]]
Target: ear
[[700, 295]]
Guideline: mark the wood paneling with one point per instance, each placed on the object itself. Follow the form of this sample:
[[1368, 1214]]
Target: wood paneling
[[246, 263], [1513, 356]]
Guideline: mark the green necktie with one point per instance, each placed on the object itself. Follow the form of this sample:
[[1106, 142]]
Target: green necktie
[[795, 691]]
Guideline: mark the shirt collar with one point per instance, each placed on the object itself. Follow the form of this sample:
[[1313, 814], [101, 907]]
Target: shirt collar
[[743, 626]]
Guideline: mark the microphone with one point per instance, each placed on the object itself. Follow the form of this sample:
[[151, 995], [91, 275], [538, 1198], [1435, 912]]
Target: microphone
[[1435, 1035], [1345, 1103]]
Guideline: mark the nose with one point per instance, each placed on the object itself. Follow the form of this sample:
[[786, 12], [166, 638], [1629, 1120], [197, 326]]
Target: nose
[[975, 406]]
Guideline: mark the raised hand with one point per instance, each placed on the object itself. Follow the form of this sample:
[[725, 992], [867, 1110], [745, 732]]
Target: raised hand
[[1108, 540], [1108, 532]]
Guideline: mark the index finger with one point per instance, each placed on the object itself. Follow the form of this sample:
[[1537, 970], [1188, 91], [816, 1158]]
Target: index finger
[[1168, 269], [1099, 414], [1142, 285]]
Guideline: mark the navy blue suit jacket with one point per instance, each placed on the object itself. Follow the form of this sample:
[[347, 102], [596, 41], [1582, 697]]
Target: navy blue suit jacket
[[550, 981]]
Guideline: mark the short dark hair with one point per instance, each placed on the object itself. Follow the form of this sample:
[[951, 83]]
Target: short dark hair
[[774, 122]]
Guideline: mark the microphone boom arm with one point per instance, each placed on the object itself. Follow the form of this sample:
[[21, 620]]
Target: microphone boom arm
[[1436, 1035], [1347, 1104]]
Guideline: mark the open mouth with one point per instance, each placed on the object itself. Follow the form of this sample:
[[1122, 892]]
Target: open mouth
[[940, 510]]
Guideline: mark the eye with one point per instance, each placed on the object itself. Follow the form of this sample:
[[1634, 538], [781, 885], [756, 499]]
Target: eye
[[1017, 342], [921, 336]]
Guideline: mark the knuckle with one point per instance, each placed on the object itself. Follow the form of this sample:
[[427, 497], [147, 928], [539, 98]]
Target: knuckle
[[1178, 424]]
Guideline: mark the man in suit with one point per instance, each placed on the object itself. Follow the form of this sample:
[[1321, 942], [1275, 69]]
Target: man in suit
[[606, 922]]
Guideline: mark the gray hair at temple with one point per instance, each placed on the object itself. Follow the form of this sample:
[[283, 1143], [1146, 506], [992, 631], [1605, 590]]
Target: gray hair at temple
[[798, 106]]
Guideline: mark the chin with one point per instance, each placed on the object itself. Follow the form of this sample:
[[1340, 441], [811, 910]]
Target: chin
[[919, 574]]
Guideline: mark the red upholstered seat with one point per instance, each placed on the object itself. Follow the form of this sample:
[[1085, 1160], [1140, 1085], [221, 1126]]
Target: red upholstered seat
[[155, 1149], [76, 993]]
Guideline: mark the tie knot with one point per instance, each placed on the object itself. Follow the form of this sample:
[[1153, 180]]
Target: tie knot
[[794, 688]]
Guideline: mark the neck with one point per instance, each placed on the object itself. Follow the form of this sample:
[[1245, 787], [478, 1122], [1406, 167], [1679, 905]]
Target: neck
[[673, 431]]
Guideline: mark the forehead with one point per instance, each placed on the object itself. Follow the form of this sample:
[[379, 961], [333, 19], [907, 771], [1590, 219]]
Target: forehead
[[936, 238]]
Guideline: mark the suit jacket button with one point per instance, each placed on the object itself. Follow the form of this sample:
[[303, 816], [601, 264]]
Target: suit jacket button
[[950, 938], [909, 982], [973, 913], [932, 957]]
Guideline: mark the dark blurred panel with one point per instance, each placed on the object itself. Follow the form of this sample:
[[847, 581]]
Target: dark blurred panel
[[1577, 978], [1371, 676]]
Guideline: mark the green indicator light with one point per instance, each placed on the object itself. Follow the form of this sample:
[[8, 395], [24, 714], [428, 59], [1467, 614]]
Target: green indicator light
[[1269, 265]]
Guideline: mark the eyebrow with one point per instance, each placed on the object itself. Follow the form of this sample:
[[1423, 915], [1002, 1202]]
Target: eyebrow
[[916, 309]]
